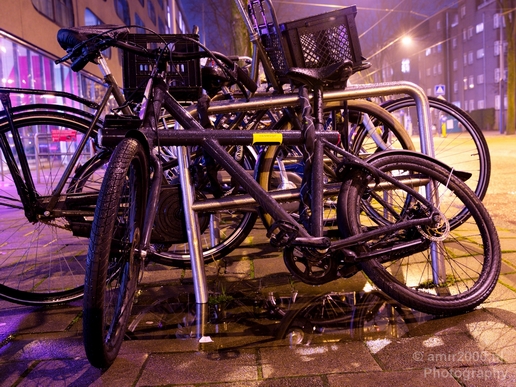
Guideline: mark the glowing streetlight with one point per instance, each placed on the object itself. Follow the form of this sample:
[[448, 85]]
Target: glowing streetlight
[[406, 40]]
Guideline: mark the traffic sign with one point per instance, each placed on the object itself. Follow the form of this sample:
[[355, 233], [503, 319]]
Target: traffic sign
[[439, 90]]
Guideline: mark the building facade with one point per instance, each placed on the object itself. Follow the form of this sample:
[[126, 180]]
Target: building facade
[[458, 53], [28, 45]]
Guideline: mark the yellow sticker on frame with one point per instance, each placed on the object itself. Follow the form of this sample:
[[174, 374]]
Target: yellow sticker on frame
[[267, 138]]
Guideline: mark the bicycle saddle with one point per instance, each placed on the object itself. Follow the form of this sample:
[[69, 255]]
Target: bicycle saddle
[[68, 38], [318, 77]]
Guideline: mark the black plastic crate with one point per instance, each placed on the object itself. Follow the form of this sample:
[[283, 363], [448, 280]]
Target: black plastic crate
[[314, 42], [182, 76]]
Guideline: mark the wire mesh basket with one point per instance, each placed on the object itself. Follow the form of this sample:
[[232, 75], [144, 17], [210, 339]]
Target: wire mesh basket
[[182, 76], [314, 42]]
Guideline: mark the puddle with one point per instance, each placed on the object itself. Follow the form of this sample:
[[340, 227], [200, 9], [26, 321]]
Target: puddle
[[250, 316]]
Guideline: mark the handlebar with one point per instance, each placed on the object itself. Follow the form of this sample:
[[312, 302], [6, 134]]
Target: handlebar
[[84, 45]]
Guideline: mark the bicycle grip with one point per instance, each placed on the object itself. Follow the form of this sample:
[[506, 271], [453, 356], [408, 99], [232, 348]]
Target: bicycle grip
[[79, 63]]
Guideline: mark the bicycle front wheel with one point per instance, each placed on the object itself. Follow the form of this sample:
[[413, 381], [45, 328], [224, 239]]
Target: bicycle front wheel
[[113, 264], [43, 261], [444, 269]]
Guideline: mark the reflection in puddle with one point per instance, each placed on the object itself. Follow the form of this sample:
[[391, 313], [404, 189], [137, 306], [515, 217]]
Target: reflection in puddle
[[371, 317]]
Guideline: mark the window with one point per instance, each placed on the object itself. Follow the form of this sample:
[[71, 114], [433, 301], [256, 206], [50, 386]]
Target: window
[[455, 87], [59, 11], [464, 34], [496, 48], [471, 83], [428, 72], [142, 2], [405, 66], [462, 11], [439, 68], [497, 19], [497, 75], [181, 23], [122, 11], [454, 43], [162, 27], [455, 65], [480, 53], [455, 20], [139, 22], [465, 81], [479, 28], [428, 51], [470, 57], [470, 32], [21, 66], [160, 3], [465, 59], [438, 26], [480, 79], [151, 11]]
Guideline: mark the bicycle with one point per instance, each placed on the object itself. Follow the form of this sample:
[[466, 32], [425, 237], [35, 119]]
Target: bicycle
[[385, 212]]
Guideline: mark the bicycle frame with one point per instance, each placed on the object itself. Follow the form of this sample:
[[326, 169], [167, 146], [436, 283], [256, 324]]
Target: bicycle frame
[[188, 131]]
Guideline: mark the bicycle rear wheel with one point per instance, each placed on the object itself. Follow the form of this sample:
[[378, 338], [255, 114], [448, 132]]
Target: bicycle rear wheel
[[443, 270], [113, 264], [43, 262], [461, 144]]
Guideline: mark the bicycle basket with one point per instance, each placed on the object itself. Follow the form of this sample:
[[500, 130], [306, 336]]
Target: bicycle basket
[[182, 76], [315, 41]]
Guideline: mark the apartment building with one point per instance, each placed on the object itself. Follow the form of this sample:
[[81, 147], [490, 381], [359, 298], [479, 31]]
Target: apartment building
[[28, 45], [460, 53]]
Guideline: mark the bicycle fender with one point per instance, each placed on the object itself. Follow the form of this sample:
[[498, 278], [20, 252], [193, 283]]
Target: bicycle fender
[[463, 175]]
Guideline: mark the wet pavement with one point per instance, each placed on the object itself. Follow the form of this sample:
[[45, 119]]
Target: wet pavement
[[362, 338]]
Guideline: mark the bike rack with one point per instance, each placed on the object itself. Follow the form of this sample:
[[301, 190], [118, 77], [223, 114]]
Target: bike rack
[[266, 102]]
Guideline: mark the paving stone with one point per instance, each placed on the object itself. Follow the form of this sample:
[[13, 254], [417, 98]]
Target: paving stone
[[315, 359], [199, 367], [396, 378]]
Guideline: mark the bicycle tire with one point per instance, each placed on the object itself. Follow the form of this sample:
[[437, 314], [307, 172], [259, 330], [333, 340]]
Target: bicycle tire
[[113, 265], [470, 250], [466, 150], [43, 263]]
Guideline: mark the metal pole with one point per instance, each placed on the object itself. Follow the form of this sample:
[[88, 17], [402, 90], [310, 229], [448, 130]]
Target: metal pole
[[500, 118]]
